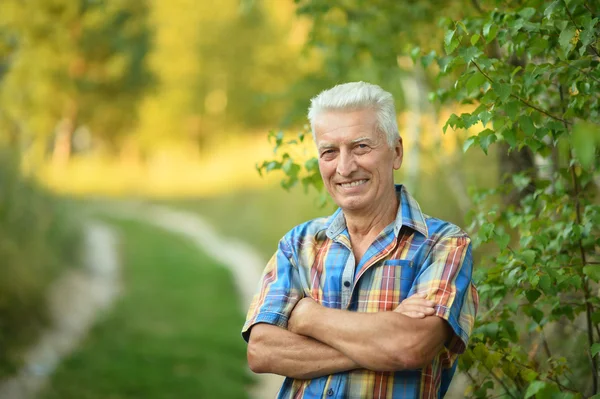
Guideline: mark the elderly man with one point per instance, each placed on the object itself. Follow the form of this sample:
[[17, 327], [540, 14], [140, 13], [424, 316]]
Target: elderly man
[[375, 301]]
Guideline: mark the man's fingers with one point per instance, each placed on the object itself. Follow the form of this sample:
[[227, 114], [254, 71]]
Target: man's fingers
[[420, 309], [418, 301]]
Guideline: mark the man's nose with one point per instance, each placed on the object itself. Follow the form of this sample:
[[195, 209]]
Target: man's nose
[[346, 164]]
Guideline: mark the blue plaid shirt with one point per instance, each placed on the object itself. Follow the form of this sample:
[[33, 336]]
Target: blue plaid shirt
[[415, 253]]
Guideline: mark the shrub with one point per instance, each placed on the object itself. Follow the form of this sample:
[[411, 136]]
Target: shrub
[[37, 241]]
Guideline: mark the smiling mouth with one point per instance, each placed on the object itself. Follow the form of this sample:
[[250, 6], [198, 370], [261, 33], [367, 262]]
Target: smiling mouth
[[353, 184]]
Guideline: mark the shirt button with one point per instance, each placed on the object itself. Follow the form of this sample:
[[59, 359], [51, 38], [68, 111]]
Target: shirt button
[[330, 391], [346, 284]]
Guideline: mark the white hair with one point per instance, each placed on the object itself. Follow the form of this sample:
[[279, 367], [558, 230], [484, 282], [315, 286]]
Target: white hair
[[356, 96]]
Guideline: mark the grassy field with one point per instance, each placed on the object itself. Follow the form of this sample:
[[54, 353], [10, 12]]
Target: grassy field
[[175, 332]]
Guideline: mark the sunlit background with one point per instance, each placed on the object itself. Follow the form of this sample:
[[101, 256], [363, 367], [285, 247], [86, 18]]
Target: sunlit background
[[131, 134]]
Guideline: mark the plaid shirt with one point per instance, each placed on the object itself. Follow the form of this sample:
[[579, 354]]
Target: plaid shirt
[[415, 253]]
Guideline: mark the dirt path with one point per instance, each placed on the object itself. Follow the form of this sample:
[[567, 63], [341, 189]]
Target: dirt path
[[75, 301], [77, 298], [242, 260]]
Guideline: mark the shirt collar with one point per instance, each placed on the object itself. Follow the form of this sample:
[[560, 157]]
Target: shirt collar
[[409, 214]]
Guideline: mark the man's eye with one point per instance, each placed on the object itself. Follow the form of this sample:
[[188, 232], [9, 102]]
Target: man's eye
[[327, 153]]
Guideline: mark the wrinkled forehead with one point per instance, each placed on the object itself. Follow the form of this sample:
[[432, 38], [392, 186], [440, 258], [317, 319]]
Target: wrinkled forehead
[[335, 128]]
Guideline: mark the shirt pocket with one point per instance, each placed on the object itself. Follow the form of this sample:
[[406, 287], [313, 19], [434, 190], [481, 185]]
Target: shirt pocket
[[407, 274], [390, 284]]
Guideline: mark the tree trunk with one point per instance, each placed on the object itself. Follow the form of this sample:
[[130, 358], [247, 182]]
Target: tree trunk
[[61, 153]]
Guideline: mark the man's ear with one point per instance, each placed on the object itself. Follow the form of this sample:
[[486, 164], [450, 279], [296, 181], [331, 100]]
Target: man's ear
[[398, 154]]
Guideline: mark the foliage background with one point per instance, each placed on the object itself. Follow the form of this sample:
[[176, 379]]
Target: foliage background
[[172, 101]]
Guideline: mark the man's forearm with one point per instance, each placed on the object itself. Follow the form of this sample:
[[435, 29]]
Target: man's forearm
[[383, 341], [272, 349]]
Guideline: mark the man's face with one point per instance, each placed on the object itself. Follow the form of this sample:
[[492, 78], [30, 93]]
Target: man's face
[[355, 160]]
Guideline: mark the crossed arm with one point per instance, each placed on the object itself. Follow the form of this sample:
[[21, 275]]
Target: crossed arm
[[321, 341]]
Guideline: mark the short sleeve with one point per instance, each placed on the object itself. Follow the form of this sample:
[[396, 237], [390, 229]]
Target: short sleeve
[[278, 292], [446, 278]]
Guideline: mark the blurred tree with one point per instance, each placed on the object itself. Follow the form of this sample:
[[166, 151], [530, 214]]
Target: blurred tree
[[232, 59], [75, 62]]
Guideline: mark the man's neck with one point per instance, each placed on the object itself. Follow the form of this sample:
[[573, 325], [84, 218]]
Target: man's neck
[[365, 227]]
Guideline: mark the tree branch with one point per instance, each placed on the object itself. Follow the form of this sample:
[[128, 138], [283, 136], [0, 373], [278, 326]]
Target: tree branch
[[523, 100], [577, 27], [582, 72]]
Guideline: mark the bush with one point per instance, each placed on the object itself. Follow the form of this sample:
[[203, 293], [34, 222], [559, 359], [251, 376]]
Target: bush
[[37, 242]]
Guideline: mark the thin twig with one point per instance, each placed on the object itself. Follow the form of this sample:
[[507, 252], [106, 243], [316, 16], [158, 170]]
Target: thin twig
[[523, 100], [473, 380], [583, 72], [545, 342], [570, 15], [561, 386], [578, 28], [588, 8], [477, 6]]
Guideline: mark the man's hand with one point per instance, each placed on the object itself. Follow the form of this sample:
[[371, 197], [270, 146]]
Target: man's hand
[[416, 307], [301, 314]]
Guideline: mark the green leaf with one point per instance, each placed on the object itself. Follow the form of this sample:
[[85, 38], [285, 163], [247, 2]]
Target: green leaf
[[528, 374], [510, 137], [484, 117], [426, 60], [527, 13], [474, 39], [475, 83], [414, 53], [537, 315], [584, 139], [538, 45], [587, 35], [469, 142], [512, 108], [450, 41], [469, 54], [595, 349], [503, 90], [486, 231], [290, 168], [545, 283], [532, 295], [565, 39], [527, 125], [490, 30], [549, 11], [502, 239], [454, 121], [312, 164], [592, 271], [534, 388], [486, 138], [273, 165], [469, 120], [528, 256]]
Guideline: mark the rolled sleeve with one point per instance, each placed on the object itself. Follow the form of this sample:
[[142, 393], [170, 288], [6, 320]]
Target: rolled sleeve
[[278, 292], [446, 278]]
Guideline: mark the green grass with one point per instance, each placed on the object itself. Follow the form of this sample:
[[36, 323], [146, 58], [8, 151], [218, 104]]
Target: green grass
[[174, 333]]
